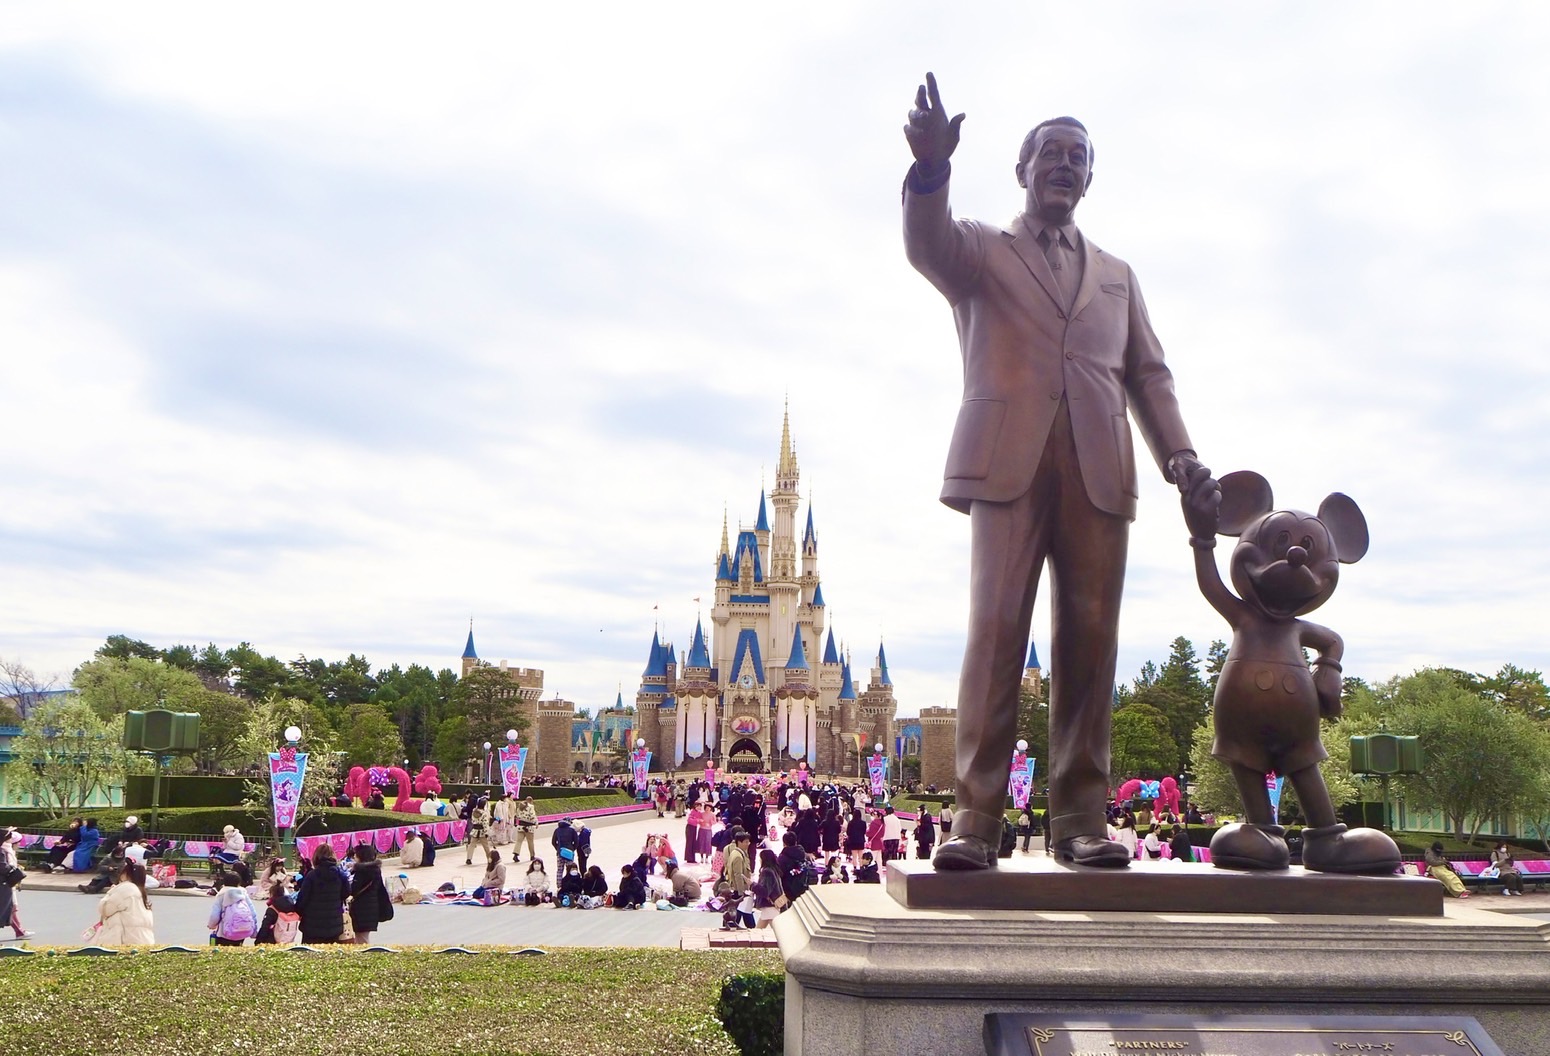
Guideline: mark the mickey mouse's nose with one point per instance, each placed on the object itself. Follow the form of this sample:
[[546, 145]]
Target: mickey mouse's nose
[[1296, 556]]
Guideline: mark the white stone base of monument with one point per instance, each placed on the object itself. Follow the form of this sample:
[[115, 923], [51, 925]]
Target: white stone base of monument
[[867, 976]]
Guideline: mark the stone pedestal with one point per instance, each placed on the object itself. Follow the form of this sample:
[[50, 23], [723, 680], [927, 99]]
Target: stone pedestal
[[866, 974]]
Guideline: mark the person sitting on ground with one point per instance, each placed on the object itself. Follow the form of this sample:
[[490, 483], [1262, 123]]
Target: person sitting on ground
[[124, 914], [233, 917], [568, 891], [412, 853], [536, 880], [1439, 868], [632, 892], [376, 801], [107, 873], [594, 884], [494, 881], [867, 874], [1507, 869], [686, 889]]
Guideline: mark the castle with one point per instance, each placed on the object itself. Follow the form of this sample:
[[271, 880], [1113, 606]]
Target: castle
[[769, 690]]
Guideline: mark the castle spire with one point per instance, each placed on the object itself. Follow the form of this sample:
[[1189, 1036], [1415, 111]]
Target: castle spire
[[724, 549], [468, 650], [787, 466]]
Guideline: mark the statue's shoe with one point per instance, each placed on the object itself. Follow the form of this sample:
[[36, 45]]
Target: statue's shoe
[[1092, 850], [1248, 846], [962, 853], [1336, 849]]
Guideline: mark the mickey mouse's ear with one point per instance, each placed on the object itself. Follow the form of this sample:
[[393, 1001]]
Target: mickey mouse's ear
[[1245, 498], [1347, 527]]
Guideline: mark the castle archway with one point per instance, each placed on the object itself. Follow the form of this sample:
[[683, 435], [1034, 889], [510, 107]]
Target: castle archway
[[745, 757]]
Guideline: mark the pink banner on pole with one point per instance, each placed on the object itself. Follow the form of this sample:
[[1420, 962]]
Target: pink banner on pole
[[287, 770], [513, 758]]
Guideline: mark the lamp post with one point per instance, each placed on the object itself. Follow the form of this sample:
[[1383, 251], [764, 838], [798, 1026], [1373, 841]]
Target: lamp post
[[288, 835], [487, 762]]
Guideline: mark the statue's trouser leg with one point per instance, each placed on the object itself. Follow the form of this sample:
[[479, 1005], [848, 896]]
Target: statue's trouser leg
[[1085, 547]]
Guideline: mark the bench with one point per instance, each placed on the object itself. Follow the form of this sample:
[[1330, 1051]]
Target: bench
[[1535, 873]]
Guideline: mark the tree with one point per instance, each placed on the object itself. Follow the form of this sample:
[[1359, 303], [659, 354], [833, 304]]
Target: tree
[[1033, 727], [1216, 657], [22, 688], [114, 685], [1214, 789], [1519, 690], [454, 744], [1140, 744], [265, 733], [1478, 754], [123, 647], [65, 753], [223, 719], [490, 700], [370, 738], [1177, 691]]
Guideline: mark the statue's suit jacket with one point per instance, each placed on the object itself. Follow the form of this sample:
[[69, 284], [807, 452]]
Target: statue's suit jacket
[[1022, 351]]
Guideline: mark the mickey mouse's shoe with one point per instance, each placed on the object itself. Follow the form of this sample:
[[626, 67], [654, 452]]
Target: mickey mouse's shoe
[[1336, 849], [1249, 846]]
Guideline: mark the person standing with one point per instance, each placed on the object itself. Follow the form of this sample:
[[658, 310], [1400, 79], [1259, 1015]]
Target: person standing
[[946, 817], [925, 834], [233, 918], [478, 831], [10, 876], [1057, 347], [527, 823], [370, 903], [320, 898], [1025, 828], [563, 841]]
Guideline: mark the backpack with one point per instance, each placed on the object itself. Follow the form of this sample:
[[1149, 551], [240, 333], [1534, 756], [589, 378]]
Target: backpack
[[287, 926], [238, 921]]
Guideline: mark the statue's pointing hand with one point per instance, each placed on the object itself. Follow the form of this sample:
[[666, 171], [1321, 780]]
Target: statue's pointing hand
[[932, 137]]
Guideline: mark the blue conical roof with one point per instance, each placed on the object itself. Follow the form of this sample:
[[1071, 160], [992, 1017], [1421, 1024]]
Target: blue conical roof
[[724, 568], [847, 688], [882, 664], [818, 595], [656, 666], [763, 523], [830, 654], [809, 536], [798, 658], [468, 650], [1033, 657], [619, 700], [699, 656]]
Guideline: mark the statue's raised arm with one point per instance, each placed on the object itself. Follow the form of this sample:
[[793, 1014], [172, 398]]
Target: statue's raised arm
[[932, 136]]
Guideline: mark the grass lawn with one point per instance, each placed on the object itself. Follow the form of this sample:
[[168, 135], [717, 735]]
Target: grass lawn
[[572, 1002]]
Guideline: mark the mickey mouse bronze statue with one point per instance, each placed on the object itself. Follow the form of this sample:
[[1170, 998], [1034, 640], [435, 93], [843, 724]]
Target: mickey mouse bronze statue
[[1268, 702]]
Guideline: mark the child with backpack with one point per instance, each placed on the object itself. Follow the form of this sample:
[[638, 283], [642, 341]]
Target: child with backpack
[[233, 917]]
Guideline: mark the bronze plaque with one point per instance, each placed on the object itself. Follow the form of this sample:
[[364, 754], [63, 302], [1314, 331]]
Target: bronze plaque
[[1020, 1034]]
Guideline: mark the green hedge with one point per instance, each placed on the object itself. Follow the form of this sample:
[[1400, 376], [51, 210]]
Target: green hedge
[[184, 790], [572, 1002], [752, 1009]]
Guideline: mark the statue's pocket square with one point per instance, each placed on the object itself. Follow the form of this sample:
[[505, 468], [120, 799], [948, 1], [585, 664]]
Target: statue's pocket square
[[1118, 289]]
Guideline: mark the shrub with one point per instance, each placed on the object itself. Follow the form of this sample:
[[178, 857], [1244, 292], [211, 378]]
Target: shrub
[[752, 1010]]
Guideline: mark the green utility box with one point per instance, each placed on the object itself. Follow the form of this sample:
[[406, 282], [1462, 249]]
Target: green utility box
[[1385, 754], [161, 731]]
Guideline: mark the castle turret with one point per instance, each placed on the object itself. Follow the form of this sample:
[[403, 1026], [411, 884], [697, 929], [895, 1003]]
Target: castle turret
[[470, 657], [785, 583], [1033, 676]]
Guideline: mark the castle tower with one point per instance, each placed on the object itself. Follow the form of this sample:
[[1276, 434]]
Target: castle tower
[[470, 658], [696, 723], [785, 583], [938, 746], [830, 679], [554, 719], [877, 706], [1033, 676], [653, 695]]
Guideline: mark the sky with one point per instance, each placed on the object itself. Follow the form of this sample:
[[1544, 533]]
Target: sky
[[332, 327]]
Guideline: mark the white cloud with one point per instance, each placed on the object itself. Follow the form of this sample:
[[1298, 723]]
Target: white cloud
[[328, 328]]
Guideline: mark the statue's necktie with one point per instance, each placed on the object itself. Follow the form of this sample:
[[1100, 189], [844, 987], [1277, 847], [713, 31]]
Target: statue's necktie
[[1059, 264]]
